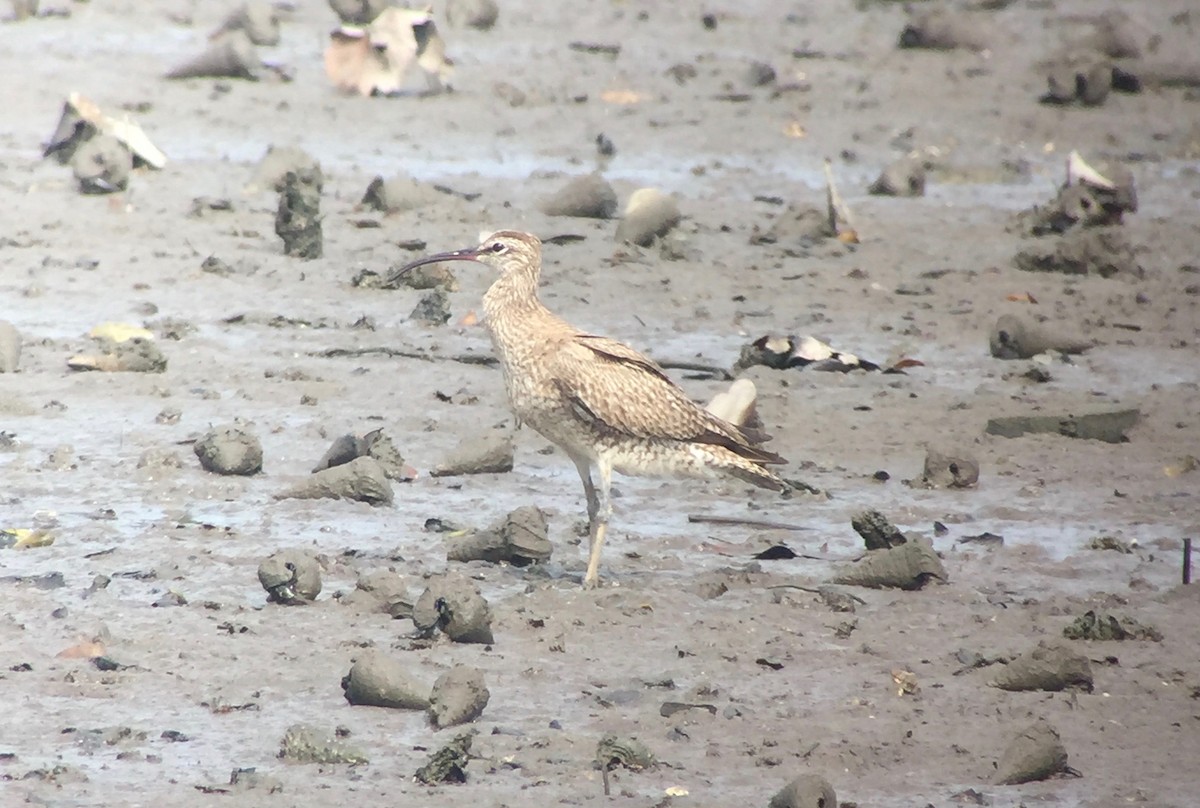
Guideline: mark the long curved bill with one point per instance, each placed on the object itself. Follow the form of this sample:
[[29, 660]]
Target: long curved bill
[[470, 254]]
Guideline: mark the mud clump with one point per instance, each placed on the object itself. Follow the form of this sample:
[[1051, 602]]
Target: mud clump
[[1110, 427], [433, 308], [399, 194], [1094, 625], [957, 470], [589, 197], [649, 214], [628, 753], [298, 218], [231, 55], [380, 591], [258, 19], [519, 539], [453, 605], [1093, 251], [1049, 667], [362, 479], [806, 791], [942, 30], [459, 696], [229, 450], [10, 347], [303, 743], [903, 177], [1014, 337], [1035, 754], [876, 530], [448, 764], [909, 566], [102, 165], [490, 454], [377, 680], [135, 355], [290, 577]]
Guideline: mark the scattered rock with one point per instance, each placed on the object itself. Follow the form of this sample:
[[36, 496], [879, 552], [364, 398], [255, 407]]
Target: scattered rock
[[448, 764], [806, 791], [291, 577], [399, 194], [458, 697], [363, 479], [478, 14], [229, 450], [137, 355], [649, 214], [1015, 337], [10, 347], [1046, 667], [303, 743], [490, 454], [904, 177], [257, 18], [589, 197], [877, 531], [229, 56], [1035, 754], [959, 470], [377, 680], [1111, 543], [519, 539], [453, 604], [942, 29], [1101, 626], [298, 218], [101, 165], [1102, 251], [381, 591], [910, 566], [796, 227], [433, 308], [1109, 427]]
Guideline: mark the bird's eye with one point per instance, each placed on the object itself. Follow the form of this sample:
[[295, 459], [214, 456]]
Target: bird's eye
[[498, 247]]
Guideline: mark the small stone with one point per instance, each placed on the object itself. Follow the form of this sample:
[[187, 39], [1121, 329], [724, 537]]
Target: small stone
[[1035, 754]]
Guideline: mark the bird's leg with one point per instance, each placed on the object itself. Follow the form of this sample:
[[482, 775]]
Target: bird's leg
[[585, 473], [599, 522]]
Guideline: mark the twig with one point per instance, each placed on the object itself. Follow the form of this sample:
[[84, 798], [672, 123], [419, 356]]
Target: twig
[[698, 367], [1187, 561], [466, 359], [737, 520]]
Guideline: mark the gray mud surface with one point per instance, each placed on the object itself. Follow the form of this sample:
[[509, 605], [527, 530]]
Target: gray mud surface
[[184, 694]]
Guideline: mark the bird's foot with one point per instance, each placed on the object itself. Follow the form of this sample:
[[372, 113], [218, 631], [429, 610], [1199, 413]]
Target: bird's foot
[[592, 582]]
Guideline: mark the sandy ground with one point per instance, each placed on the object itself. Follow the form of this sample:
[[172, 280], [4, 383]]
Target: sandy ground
[[928, 281]]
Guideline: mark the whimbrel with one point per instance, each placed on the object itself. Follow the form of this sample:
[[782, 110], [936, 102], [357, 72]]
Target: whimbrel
[[607, 406]]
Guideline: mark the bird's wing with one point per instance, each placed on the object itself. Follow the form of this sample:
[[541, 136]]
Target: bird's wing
[[623, 391]]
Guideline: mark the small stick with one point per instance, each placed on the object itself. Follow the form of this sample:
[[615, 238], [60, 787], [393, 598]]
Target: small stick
[[1187, 561], [604, 774], [737, 520], [697, 367], [837, 207]]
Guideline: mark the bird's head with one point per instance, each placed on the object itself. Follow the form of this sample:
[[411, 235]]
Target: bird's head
[[506, 251]]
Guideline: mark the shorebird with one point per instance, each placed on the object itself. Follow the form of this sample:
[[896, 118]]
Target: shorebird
[[609, 407]]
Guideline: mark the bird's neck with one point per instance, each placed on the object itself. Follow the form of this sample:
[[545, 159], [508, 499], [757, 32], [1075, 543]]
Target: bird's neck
[[514, 295]]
